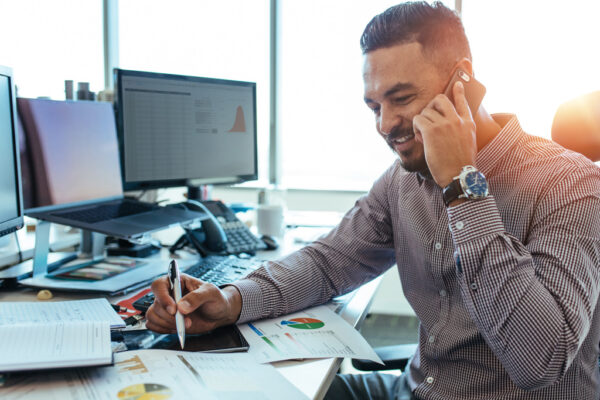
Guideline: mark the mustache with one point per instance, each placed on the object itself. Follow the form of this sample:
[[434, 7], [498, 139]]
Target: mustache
[[397, 132]]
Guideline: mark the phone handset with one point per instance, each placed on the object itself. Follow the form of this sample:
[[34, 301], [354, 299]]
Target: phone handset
[[215, 239], [474, 90], [209, 238]]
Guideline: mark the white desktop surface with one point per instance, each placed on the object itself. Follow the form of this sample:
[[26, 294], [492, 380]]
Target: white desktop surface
[[312, 377]]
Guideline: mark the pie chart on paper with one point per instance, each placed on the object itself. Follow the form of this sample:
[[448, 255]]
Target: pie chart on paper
[[303, 323], [145, 391]]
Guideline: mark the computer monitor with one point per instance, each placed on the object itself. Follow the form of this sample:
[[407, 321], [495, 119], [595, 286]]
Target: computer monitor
[[177, 130], [69, 153], [11, 202]]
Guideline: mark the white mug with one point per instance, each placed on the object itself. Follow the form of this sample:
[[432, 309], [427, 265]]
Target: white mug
[[269, 219]]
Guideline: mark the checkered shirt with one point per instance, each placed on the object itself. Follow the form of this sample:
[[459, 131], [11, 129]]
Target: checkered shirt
[[505, 288]]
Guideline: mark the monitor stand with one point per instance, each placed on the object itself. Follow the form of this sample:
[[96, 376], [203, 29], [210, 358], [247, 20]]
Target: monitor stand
[[199, 192]]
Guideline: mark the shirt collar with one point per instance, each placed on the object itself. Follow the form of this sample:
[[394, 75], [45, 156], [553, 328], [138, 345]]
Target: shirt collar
[[495, 150]]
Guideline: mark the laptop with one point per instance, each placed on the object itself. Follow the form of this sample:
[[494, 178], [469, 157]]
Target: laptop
[[76, 172]]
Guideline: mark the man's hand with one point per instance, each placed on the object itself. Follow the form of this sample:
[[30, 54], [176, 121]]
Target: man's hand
[[448, 135], [204, 306]]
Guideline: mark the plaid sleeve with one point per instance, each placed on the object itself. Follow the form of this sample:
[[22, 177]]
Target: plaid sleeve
[[543, 291], [353, 253]]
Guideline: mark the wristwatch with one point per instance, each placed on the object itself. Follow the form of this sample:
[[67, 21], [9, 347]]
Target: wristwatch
[[469, 184]]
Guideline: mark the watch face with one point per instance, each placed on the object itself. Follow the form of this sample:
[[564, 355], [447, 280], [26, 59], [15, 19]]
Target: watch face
[[476, 184]]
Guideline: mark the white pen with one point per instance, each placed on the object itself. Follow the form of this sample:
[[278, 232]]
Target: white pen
[[175, 281]]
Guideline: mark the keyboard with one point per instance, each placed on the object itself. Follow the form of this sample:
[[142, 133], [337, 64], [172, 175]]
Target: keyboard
[[105, 212], [217, 270], [240, 239]]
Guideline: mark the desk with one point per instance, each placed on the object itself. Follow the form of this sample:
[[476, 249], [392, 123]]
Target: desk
[[312, 377]]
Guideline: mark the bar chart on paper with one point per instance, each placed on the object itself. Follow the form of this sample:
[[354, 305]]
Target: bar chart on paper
[[314, 333]]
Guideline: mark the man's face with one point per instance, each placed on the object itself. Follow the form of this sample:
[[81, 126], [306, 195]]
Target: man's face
[[399, 82]]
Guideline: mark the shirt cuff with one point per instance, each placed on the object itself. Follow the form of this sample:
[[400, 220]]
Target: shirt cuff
[[474, 219], [252, 300]]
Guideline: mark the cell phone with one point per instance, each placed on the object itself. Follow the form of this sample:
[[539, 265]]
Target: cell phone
[[474, 90], [225, 339]]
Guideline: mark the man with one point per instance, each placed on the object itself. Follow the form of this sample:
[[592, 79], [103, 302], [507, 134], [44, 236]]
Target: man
[[505, 284]]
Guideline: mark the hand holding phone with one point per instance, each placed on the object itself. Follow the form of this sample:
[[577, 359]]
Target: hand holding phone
[[447, 129], [474, 90]]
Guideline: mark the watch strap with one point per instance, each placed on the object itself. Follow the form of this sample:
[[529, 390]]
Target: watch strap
[[452, 192]]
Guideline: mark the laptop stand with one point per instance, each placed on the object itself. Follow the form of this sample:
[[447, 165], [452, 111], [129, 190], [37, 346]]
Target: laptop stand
[[43, 259], [92, 246]]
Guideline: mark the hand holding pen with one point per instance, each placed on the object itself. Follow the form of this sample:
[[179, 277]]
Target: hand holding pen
[[204, 306], [175, 283]]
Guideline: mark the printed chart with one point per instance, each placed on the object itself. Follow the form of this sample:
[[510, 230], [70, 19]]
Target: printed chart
[[133, 365], [145, 391], [304, 323], [160, 375], [314, 333]]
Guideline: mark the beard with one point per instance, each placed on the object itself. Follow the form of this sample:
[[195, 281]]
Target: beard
[[409, 161]]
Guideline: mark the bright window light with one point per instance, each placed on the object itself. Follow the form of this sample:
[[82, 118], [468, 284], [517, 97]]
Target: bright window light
[[534, 55], [328, 135], [48, 42]]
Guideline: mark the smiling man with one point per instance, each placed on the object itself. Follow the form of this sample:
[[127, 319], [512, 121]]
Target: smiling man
[[495, 234]]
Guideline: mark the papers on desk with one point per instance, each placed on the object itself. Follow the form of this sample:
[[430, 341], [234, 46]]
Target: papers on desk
[[159, 374], [56, 334], [54, 345], [12, 313], [312, 333]]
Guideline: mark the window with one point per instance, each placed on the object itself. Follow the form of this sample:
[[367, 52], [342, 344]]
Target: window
[[226, 39], [48, 42], [328, 135], [533, 56]]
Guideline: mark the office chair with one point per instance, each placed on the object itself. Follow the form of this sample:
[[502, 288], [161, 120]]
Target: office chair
[[576, 126]]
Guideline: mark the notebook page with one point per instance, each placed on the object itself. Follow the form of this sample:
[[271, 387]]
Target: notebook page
[[56, 344], [59, 311]]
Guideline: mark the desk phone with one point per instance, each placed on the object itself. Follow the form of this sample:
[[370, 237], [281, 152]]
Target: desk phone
[[223, 233]]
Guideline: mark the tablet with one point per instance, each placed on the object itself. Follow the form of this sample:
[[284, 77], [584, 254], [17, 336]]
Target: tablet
[[226, 339]]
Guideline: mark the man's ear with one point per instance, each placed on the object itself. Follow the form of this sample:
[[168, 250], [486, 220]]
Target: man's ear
[[466, 65]]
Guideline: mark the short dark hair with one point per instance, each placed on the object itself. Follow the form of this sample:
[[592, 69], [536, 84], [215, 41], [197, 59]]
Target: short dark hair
[[437, 28]]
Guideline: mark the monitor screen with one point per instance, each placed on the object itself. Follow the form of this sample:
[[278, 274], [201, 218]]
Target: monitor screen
[[70, 153], [11, 205], [177, 130]]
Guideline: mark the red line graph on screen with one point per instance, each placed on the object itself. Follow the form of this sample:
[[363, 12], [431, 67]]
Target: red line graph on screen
[[240, 121]]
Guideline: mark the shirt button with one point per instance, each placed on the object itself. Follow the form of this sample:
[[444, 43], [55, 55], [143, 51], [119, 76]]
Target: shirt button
[[460, 225], [474, 286], [429, 379], [438, 246], [442, 293], [431, 339]]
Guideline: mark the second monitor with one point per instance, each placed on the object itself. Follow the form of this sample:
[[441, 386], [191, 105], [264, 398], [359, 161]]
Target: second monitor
[[177, 130]]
